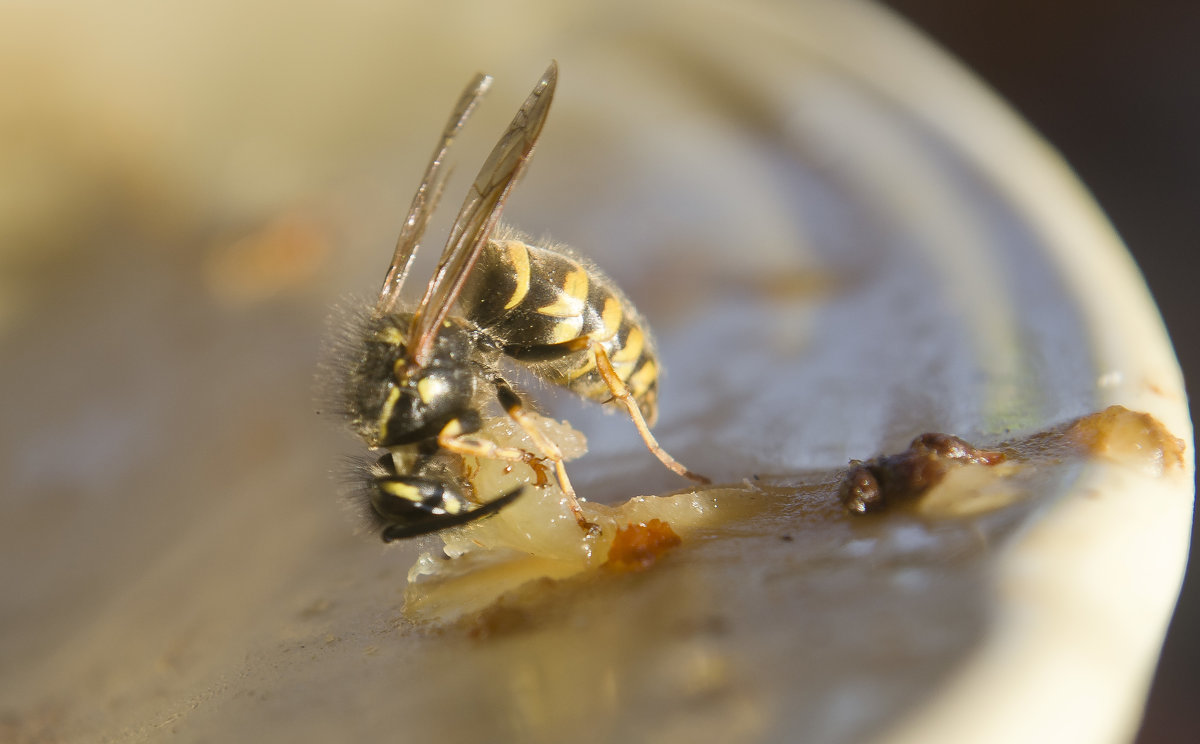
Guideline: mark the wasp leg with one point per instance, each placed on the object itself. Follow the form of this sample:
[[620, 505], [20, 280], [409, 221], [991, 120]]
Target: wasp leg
[[465, 444], [511, 402], [622, 395]]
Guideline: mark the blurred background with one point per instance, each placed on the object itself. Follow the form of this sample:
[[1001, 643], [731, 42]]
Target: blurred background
[[1115, 87]]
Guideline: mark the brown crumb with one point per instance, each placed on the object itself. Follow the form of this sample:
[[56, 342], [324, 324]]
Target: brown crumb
[[637, 546], [876, 484], [1116, 434]]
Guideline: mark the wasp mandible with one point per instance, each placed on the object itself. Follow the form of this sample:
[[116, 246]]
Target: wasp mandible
[[417, 382]]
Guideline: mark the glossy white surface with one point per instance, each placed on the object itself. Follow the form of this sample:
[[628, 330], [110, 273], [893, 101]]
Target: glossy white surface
[[840, 240]]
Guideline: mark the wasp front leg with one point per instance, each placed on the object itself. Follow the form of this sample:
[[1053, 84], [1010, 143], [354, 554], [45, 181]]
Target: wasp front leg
[[453, 439], [512, 405]]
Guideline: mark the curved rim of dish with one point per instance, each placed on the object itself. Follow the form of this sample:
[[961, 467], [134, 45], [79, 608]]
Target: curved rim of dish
[[1080, 616]]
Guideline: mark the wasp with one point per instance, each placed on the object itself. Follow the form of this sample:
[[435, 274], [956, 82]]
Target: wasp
[[418, 381]]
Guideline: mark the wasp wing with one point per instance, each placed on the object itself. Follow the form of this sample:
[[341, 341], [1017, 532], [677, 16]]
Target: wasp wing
[[479, 214], [426, 198]]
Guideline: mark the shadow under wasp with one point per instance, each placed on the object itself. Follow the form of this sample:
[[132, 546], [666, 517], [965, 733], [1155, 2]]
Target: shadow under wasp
[[416, 382]]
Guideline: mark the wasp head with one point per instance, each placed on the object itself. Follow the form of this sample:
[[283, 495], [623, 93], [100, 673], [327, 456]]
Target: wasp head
[[392, 401]]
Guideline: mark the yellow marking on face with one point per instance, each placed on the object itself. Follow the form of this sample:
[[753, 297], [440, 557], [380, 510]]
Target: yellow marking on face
[[429, 388], [634, 343], [641, 380], [402, 491], [385, 412], [572, 298], [518, 256], [452, 504], [566, 329]]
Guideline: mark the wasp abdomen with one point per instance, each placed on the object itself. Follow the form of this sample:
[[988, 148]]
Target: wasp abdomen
[[545, 308]]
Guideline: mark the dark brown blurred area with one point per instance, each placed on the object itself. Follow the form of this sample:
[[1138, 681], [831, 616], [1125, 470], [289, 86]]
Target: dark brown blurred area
[[1115, 87]]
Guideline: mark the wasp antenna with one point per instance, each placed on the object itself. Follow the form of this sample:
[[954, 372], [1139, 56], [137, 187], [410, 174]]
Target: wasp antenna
[[428, 193]]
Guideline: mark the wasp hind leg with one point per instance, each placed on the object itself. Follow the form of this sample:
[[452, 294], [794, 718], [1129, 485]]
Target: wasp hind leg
[[621, 395]]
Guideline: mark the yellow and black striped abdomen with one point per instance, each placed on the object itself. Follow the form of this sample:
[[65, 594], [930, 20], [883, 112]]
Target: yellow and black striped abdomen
[[544, 306]]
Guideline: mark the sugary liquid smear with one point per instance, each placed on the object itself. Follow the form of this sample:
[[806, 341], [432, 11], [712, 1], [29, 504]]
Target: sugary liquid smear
[[529, 549]]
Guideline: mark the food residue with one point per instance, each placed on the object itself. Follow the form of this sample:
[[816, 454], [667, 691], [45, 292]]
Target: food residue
[[1127, 437], [876, 484], [637, 547], [522, 552], [943, 475], [537, 537]]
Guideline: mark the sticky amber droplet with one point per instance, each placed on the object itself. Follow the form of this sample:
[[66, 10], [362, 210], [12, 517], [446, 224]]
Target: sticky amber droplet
[[1129, 437], [637, 546]]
